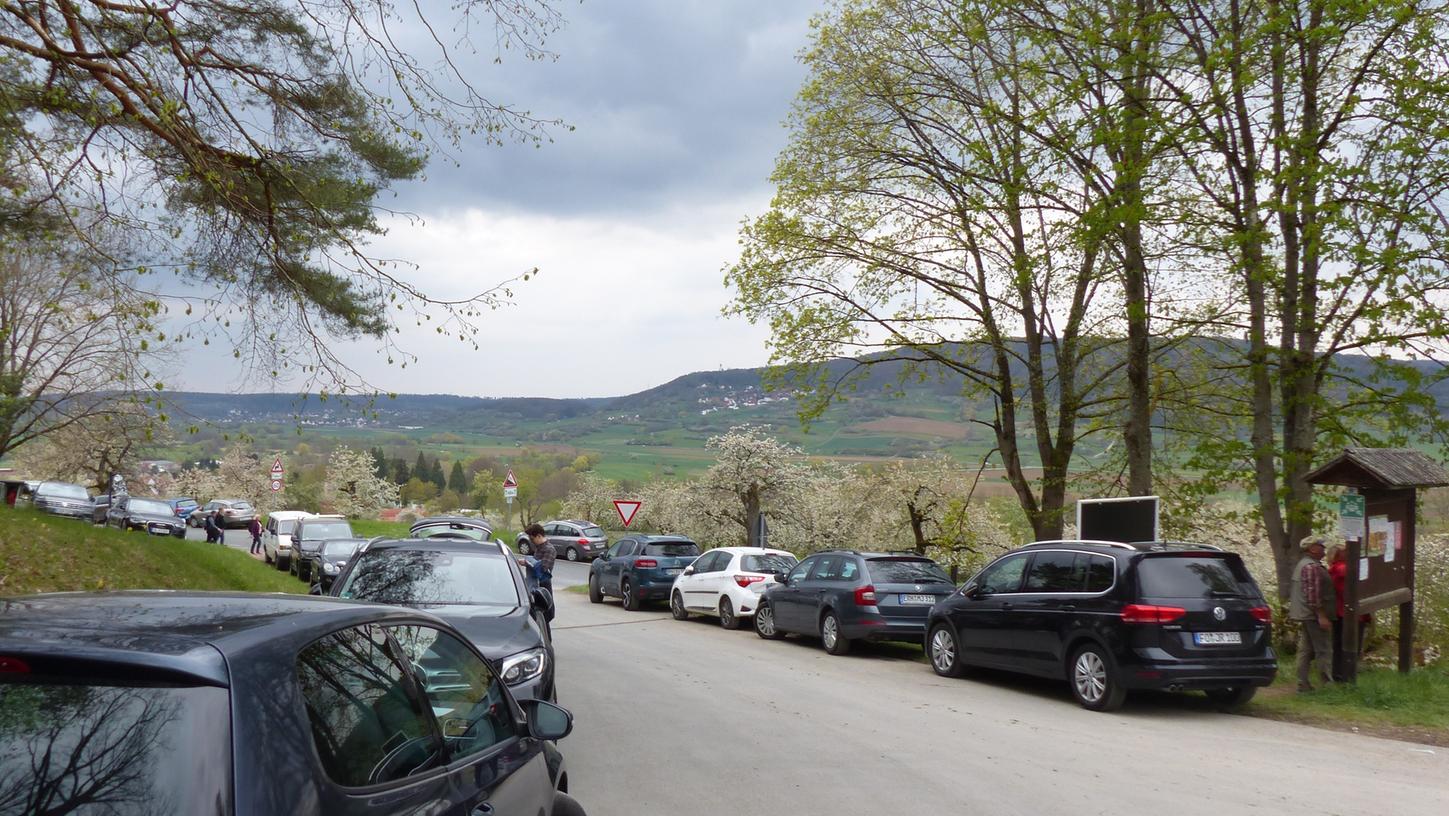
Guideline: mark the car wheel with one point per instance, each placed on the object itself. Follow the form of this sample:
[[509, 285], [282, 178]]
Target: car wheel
[[565, 805], [944, 653], [835, 642], [595, 594], [631, 603], [1232, 697], [266, 556], [676, 607], [1094, 683], [765, 623], [571, 554], [283, 565], [727, 617], [525, 546]]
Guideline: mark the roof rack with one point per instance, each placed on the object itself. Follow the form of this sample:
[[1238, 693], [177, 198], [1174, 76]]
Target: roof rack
[[1163, 546], [1094, 542]]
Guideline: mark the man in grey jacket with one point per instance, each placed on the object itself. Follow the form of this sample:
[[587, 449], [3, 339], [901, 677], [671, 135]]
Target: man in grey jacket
[[1312, 604]]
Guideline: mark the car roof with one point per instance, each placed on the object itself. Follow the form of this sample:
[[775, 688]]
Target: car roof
[[1119, 546], [188, 634], [325, 517], [903, 554], [289, 515], [442, 543], [751, 551], [472, 522], [658, 539]]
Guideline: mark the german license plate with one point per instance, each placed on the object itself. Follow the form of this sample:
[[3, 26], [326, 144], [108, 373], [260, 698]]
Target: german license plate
[[918, 600], [159, 530], [1217, 638], [673, 570]]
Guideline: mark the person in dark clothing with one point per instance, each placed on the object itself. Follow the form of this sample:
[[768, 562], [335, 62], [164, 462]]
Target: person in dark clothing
[[543, 550], [255, 528], [214, 531]]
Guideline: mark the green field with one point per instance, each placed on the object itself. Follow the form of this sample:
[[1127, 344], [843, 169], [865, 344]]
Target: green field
[[48, 554]]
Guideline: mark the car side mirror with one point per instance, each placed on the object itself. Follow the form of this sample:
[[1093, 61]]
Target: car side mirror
[[547, 721], [780, 576], [543, 601], [689, 570], [972, 591]]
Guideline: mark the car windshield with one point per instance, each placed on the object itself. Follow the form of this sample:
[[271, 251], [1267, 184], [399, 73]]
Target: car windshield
[[906, 571], [241, 505], [185, 503], [285, 527], [60, 490], [318, 530], [452, 530], [148, 506], [113, 750], [768, 563], [341, 548], [1196, 576], [415, 577], [593, 532], [672, 549]]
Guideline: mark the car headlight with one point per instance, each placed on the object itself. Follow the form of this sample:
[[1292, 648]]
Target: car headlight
[[329, 568], [524, 666]]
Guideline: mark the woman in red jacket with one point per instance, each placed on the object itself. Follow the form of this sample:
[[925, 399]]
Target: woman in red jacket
[[1338, 570]]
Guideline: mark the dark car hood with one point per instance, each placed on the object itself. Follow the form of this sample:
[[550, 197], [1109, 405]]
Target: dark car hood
[[496, 631]]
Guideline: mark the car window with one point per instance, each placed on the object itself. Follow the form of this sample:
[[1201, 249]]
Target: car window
[[148, 506], [593, 532], [1055, 572], [451, 530], [413, 577], [672, 549], [1204, 576], [906, 571], [367, 722], [849, 569], [1003, 576], [1101, 572], [801, 570], [767, 563], [61, 490], [629, 548], [315, 530], [826, 569], [551, 529], [341, 547], [616, 550], [466, 697], [76, 746]]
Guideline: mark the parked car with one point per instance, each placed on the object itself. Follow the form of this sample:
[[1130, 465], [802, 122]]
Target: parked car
[[727, 583], [140, 692], [100, 507], [277, 536], [473, 529], [331, 559], [477, 589], [573, 540], [640, 568], [842, 596], [234, 513], [1110, 618], [63, 499], [307, 538], [183, 506], [138, 513]]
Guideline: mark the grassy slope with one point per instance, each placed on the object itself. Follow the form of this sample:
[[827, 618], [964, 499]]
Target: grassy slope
[[41, 553]]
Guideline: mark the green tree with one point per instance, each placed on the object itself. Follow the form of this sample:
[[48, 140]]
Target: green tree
[[379, 463], [400, 472], [457, 480], [436, 475]]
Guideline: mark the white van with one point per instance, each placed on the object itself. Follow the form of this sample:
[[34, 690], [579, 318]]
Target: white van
[[277, 536]]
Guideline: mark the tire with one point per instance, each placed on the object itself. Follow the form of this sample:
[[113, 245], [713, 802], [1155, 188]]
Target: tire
[[727, 617], [282, 565], [626, 594], [1094, 680], [1232, 697], [571, 554], [944, 651], [676, 607], [596, 595], [765, 623], [525, 546], [565, 805], [834, 642]]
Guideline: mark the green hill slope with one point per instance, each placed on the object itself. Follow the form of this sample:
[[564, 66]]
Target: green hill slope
[[41, 553]]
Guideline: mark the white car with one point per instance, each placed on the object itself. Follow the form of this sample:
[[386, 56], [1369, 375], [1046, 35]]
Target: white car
[[277, 536], [727, 583]]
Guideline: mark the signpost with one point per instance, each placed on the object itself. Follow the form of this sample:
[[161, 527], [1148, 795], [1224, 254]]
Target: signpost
[[762, 531], [277, 474], [1126, 519], [627, 510], [510, 488]]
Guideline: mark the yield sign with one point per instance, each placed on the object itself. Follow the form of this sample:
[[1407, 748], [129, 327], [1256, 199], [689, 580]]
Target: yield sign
[[277, 467], [627, 510], [509, 481]]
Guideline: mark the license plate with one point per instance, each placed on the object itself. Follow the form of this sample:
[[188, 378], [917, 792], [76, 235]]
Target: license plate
[[156, 528], [918, 600], [673, 570], [1217, 638]]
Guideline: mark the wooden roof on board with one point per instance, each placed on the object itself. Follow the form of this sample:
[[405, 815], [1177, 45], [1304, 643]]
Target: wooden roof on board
[[1381, 467]]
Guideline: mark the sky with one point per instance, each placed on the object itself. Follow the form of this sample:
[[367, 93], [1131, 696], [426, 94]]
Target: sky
[[678, 109]]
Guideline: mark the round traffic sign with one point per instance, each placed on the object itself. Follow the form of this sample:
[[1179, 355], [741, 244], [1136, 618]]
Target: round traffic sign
[[276, 484]]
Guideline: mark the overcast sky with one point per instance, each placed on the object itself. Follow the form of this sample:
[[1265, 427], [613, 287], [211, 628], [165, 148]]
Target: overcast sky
[[678, 108]]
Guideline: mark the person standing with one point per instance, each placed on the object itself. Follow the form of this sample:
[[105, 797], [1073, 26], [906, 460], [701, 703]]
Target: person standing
[[1311, 603], [544, 551], [213, 527], [255, 528]]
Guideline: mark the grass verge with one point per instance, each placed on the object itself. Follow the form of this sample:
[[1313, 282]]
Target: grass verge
[[40, 553], [578, 589], [1383, 702], [367, 528]]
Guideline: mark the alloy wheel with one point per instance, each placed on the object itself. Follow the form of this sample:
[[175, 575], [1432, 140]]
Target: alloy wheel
[[765, 621], [829, 631], [1090, 676], [943, 650]]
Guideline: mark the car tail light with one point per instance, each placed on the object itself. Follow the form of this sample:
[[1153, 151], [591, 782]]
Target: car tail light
[[865, 596], [746, 580], [645, 563], [13, 665], [1262, 614], [1147, 613], [584, 542]]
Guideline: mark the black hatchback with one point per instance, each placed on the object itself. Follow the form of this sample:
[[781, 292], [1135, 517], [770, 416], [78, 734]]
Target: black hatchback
[[842, 596], [1111, 618], [206, 703]]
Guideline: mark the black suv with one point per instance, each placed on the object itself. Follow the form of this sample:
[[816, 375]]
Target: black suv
[[842, 596], [1110, 618]]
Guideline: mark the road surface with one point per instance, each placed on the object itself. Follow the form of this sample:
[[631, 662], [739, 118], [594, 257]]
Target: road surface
[[687, 718]]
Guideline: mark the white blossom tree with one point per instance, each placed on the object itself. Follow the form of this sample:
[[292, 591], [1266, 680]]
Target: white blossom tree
[[352, 486], [755, 473], [592, 499]]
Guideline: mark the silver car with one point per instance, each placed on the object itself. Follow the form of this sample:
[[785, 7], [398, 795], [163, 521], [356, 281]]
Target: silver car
[[573, 540]]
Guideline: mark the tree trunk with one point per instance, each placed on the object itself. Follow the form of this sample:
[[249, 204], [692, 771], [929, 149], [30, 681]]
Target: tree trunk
[[1137, 431], [751, 501]]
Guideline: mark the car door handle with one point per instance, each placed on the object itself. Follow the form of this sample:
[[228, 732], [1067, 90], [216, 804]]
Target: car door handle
[[1005, 606], [484, 809]]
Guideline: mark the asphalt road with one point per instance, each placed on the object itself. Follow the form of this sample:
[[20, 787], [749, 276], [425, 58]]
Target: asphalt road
[[688, 718]]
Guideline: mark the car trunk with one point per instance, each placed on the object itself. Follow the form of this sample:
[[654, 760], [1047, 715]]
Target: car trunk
[[660, 561], [907, 587], [1208, 602]]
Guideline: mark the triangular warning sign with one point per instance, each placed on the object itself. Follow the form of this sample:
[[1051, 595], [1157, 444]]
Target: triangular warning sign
[[627, 510], [277, 465], [509, 481]]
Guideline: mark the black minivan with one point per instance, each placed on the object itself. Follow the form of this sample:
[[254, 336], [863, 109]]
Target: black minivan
[[1110, 618]]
